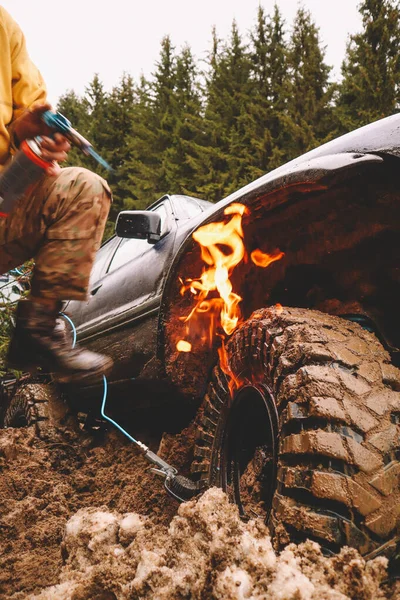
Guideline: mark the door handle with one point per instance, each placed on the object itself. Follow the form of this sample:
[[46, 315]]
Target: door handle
[[95, 289]]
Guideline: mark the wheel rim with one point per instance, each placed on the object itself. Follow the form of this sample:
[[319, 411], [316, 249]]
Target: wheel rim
[[249, 453]]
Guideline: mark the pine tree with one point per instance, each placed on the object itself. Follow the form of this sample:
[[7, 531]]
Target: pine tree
[[255, 121], [140, 171], [309, 91], [119, 114], [220, 161], [75, 109], [207, 158], [152, 130], [269, 57], [370, 88], [187, 114], [261, 105], [278, 72], [164, 111], [92, 115], [240, 159], [96, 99], [269, 93]]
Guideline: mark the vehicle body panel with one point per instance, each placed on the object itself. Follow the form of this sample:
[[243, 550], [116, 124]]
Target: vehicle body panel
[[122, 311], [129, 308]]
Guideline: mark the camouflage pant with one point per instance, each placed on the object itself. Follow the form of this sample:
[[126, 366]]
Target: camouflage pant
[[59, 223]]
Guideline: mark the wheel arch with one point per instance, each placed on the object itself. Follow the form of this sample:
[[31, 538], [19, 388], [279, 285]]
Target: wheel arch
[[325, 183]]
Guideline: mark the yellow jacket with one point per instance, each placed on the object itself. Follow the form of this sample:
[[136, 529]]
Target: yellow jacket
[[21, 84]]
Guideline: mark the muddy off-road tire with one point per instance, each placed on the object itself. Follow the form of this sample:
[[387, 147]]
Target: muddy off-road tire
[[38, 405], [309, 438]]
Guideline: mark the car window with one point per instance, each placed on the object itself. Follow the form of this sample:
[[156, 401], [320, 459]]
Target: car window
[[102, 257], [187, 207], [131, 248]]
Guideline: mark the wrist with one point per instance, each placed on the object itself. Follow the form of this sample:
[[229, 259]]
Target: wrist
[[15, 140]]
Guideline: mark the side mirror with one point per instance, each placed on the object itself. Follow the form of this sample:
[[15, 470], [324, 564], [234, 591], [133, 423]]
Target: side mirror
[[139, 224]]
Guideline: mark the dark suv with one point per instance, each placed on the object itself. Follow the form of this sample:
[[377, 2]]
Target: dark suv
[[301, 412]]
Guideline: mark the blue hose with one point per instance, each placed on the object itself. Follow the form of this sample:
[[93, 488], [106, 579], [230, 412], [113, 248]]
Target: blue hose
[[103, 403], [66, 317], [181, 488], [103, 414]]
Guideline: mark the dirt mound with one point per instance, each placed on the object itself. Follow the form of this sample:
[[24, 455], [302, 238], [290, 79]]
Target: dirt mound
[[84, 521], [206, 552], [43, 482]]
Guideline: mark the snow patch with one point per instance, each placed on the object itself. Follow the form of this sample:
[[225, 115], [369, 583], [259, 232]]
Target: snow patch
[[206, 552]]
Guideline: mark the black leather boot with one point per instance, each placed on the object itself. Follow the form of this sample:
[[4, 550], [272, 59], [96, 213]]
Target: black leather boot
[[37, 342]]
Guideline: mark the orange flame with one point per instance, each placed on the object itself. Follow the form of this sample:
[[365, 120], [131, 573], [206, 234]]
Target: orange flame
[[260, 259], [233, 381], [222, 249], [183, 346], [212, 239]]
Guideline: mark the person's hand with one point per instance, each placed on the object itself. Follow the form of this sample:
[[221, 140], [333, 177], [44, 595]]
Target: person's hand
[[30, 123], [54, 148]]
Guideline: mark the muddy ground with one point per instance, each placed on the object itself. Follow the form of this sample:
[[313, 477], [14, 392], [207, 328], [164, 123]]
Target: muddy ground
[[82, 518]]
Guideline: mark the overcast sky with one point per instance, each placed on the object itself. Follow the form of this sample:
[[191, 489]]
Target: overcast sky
[[70, 41]]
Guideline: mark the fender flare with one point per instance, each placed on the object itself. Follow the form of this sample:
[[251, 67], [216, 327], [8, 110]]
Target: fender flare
[[309, 175]]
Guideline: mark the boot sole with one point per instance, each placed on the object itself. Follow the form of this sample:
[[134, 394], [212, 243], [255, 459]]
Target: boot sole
[[84, 377]]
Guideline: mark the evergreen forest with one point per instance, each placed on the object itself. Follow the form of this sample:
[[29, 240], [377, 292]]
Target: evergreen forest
[[206, 128]]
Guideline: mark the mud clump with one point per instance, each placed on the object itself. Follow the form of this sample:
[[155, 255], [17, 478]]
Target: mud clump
[[84, 522], [206, 552], [43, 482]]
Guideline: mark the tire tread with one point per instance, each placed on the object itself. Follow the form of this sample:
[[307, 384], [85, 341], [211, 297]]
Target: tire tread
[[338, 401]]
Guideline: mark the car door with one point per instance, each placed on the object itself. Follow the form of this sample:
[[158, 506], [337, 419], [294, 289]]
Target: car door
[[80, 311], [120, 318]]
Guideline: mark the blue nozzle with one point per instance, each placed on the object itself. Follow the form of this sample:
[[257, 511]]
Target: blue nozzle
[[59, 123]]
